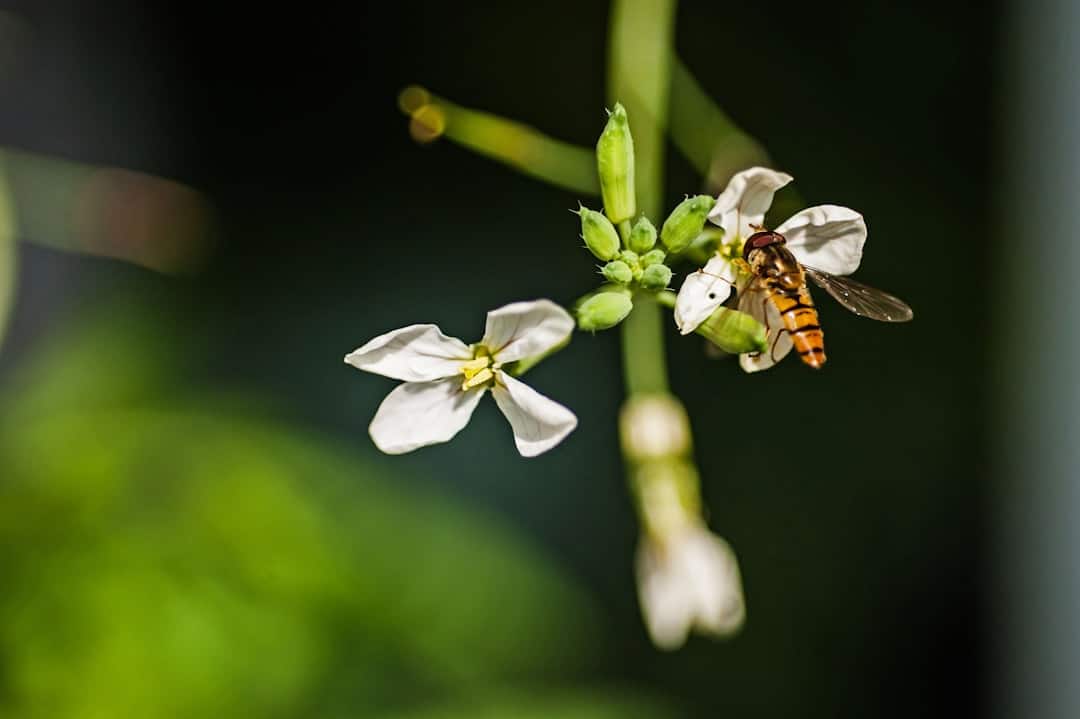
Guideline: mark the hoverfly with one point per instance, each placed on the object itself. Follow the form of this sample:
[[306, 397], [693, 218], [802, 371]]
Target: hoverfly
[[776, 295]]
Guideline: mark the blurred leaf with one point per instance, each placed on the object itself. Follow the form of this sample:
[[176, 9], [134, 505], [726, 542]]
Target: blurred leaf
[[8, 256], [564, 705], [168, 555], [109, 212]]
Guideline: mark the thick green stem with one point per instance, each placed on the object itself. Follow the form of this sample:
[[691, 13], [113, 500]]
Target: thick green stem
[[706, 135], [644, 364], [638, 77]]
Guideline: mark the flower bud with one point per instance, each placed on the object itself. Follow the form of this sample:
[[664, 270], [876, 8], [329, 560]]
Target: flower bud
[[653, 257], [734, 332], [686, 222], [603, 311], [629, 257], [615, 163], [642, 236], [618, 271], [600, 235], [656, 277], [654, 427]]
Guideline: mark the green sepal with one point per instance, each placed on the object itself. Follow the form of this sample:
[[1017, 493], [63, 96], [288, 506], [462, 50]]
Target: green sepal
[[642, 236], [733, 331], [615, 165], [656, 277], [653, 257], [618, 271], [600, 235], [603, 310], [686, 222]]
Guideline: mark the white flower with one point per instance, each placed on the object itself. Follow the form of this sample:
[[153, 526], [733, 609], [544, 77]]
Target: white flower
[[829, 238], [444, 379], [689, 579]]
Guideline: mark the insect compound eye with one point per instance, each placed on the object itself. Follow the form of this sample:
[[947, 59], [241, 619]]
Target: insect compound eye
[[755, 242]]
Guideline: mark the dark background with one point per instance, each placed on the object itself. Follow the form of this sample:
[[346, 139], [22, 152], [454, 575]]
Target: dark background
[[854, 497]]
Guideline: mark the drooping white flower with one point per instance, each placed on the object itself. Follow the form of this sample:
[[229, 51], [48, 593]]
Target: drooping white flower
[[829, 238], [444, 379], [688, 579]]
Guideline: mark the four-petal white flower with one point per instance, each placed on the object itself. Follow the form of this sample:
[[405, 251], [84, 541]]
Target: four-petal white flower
[[829, 238], [444, 379]]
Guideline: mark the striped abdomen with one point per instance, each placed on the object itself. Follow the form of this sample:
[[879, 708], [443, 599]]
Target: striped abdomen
[[801, 320]]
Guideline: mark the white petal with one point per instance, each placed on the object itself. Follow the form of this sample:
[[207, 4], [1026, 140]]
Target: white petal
[[746, 199], [827, 237], [708, 563], [416, 353], [526, 329], [417, 414], [667, 600], [777, 339], [702, 292], [539, 423]]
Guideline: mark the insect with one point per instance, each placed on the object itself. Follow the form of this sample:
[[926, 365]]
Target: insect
[[776, 295]]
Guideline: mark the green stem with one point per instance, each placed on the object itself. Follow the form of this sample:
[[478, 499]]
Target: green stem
[[523, 148], [644, 364], [705, 135], [638, 77]]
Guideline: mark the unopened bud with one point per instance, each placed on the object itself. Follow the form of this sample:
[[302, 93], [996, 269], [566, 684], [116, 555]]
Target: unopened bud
[[734, 332], [642, 236], [654, 427], [600, 235], [603, 311], [618, 271], [615, 164], [656, 277], [686, 222], [629, 257], [653, 257]]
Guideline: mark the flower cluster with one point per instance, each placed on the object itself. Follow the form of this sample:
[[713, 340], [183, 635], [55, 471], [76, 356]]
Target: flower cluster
[[688, 578]]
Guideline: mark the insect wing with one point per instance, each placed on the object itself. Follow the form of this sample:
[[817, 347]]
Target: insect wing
[[755, 301], [861, 299]]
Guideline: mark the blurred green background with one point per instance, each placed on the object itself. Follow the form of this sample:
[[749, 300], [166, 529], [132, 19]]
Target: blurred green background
[[193, 521]]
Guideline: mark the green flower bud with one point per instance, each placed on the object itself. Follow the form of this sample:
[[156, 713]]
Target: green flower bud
[[615, 163], [618, 271], [653, 257], [734, 332], [642, 236], [685, 222], [600, 235], [633, 262], [656, 277], [603, 311]]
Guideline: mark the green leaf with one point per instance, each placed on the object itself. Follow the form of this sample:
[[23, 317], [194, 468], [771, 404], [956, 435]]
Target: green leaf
[[168, 554]]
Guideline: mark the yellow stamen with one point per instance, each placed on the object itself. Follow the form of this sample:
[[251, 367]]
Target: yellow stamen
[[477, 379], [473, 366]]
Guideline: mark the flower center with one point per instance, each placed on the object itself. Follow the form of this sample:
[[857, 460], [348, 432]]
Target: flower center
[[731, 250], [480, 370]]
